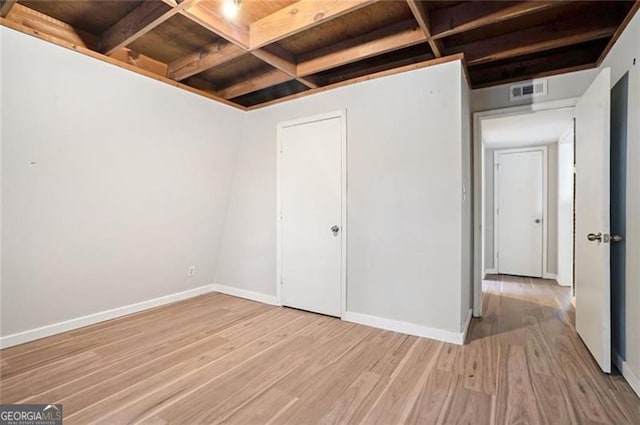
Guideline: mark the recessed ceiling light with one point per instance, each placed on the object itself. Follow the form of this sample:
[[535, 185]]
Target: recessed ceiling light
[[230, 8]]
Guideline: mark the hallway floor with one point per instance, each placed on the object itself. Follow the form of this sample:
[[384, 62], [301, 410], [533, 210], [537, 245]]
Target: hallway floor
[[219, 359], [543, 371]]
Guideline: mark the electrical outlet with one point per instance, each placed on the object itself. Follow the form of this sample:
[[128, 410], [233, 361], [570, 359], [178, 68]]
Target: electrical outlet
[[192, 271]]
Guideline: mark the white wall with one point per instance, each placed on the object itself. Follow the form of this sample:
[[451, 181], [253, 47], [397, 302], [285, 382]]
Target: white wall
[[404, 196], [625, 57], [113, 184], [467, 204], [565, 208]]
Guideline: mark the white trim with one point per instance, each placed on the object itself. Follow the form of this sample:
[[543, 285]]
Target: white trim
[[551, 276], [249, 295], [490, 271], [478, 185], [342, 115], [79, 322], [545, 202], [465, 326], [629, 374], [405, 327]]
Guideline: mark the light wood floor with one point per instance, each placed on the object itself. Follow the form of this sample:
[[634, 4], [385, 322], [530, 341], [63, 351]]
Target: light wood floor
[[218, 359]]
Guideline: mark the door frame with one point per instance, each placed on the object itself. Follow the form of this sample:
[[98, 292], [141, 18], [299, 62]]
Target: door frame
[[342, 115], [478, 184], [545, 203]]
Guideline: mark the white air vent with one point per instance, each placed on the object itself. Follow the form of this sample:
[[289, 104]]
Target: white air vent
[[528, 90]]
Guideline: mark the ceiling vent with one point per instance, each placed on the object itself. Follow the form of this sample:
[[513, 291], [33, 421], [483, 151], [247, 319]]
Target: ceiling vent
[[527, 90]]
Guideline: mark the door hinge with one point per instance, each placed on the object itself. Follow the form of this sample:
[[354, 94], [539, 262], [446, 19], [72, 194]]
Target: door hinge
[[497, 211]]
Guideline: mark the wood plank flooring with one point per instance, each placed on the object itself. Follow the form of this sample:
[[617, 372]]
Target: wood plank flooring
[[217, 359]]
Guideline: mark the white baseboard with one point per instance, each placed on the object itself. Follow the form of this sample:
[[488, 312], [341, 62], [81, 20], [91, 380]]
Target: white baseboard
[[629, 374], [551, 276], [405, 327], [79, 322], [250, 295], [490, 271]]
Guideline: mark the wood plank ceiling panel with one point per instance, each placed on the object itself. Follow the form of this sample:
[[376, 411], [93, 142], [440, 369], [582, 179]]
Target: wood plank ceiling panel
[[175, 38]]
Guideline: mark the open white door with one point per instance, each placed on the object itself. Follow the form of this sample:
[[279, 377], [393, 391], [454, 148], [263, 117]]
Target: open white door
[[592, 256]]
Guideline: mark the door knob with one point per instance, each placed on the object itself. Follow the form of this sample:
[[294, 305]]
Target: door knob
[[335, 229], [537, 221], [595, 237], [616, 238]]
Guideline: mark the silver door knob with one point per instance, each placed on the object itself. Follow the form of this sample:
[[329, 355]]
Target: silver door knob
[[595, 237], [616, 238], [335, 229]]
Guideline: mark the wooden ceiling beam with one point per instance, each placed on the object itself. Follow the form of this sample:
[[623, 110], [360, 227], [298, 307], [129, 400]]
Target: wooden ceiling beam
[[203, 59], [533, 75], [298, 17], [238, 38], [522, 68], [359, 71], [385, 73], [137, 23], [283, 62], [62, 32], [399, 36], [468, 16], [52, 27], [36, 24], [259, 82], [206, 16], [536, 39], [6, 7], [421, 14]]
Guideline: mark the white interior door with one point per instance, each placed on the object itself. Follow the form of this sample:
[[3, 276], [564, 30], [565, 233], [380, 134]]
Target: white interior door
[[311, 228], [520, 211], [592, 256]]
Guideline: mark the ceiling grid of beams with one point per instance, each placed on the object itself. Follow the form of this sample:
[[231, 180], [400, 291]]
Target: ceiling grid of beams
[[500, 41]]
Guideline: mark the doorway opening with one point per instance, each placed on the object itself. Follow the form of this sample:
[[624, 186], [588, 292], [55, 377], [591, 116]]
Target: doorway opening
[[527, 191], [589, 210]]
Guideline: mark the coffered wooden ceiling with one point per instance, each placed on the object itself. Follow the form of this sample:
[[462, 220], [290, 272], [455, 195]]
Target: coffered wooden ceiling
[[278, 49]]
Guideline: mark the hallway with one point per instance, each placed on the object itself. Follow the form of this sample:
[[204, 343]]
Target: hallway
[[540, 371]]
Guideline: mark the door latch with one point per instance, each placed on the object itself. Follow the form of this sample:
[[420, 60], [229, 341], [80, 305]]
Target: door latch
[[605, 238]]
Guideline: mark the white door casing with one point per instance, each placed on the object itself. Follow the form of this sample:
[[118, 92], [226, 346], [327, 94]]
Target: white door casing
[[592, 258], [520, 211], [311, 201]]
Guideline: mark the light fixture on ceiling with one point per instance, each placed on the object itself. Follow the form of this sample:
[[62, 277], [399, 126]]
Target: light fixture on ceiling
[[230, 8]]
